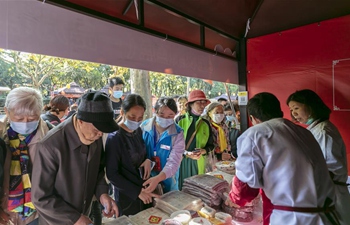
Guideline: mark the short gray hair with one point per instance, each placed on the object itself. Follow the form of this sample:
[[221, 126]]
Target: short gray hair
[[24, 101]]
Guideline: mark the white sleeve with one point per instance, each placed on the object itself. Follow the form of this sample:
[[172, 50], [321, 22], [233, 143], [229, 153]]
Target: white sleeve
[[175, 157]]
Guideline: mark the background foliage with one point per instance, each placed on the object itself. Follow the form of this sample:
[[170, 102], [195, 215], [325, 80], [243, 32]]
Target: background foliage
[[50, 73]]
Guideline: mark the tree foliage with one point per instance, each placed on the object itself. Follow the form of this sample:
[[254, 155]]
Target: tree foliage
[[48, 73]]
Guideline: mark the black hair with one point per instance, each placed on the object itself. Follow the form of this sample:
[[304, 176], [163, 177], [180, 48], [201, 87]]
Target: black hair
[[57, 104], [264, 106], [222, 99], [227, 107], [133, 100], [115, 81], [166, 101], [318, 109]]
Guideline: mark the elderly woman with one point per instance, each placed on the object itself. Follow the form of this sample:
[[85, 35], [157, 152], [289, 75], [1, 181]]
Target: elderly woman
[[307, 108], [181, 105], [198, 136], [21, 130], [216, 117], [56, 109]]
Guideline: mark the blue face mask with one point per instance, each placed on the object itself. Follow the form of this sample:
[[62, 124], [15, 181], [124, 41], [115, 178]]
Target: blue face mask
[[230, 118], [117, 94], [132, 125], [24, 127], [164, 123], [309, 121]]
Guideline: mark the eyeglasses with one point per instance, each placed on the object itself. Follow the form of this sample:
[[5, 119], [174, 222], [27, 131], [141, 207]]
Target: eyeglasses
[[202, 102]]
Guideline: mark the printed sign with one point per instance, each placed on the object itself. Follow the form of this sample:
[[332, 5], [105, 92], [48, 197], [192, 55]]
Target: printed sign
[[242, 97]]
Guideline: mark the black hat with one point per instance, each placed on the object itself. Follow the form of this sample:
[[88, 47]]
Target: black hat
[[95, 107]]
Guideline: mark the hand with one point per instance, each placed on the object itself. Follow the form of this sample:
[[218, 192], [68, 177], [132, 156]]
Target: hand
[[110, 208], [83, 220], [147, 197], [152, 182], [147, 169], [4, 217], [196, 155]]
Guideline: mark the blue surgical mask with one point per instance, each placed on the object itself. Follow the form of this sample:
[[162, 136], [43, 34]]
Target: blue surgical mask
[[24, 127], [230, 118], [132, 125], [309, 121], [117, 94], [164, 123]]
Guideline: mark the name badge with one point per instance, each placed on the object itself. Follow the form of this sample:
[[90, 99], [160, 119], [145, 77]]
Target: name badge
[[117, 111], [166, 147]]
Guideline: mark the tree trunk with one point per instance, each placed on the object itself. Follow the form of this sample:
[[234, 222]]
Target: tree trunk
[[140, 84]]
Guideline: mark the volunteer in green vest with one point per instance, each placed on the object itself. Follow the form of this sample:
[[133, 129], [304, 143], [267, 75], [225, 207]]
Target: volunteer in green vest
[[198, 136]]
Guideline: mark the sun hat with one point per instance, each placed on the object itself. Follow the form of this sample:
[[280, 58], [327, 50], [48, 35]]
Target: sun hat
[[95, 107], [196, 95]]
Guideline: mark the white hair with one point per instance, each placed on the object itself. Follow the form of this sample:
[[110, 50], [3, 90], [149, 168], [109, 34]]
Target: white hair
[[24, 101]]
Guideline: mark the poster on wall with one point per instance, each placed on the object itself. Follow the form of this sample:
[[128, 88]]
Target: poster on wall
[[341, 84], [242, 97]]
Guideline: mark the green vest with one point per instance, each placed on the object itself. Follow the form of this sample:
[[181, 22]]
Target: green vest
[[202, 137]]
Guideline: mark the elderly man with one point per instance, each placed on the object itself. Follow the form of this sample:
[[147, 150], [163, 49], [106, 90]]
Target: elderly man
[[69, 165], [285, 161]]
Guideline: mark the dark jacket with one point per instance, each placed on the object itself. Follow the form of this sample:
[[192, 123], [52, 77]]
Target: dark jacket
[[125, 152], [66, 175], [53, 119]]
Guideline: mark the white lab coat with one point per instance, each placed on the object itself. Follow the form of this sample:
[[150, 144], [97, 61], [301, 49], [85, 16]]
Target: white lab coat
[[333, 149], [285, 160]]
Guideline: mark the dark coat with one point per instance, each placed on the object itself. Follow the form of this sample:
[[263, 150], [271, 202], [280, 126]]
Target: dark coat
[[66, 175]]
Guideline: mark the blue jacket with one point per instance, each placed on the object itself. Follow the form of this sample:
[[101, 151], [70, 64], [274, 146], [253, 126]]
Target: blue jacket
[[169, 148]]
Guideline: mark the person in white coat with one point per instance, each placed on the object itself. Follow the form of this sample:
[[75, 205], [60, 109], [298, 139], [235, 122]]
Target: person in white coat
[[308, 108], [284, 160]]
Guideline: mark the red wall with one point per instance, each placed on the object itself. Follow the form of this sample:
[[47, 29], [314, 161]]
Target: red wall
[[300, 58]]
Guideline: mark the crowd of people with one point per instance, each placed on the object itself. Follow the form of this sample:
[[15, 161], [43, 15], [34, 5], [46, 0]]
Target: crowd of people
[[100, 151]]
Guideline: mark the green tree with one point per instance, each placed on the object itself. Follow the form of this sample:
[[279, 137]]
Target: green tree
[[8, 74], [34, 67]]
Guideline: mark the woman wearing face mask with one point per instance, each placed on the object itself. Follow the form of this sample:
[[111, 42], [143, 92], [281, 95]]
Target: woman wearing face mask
[[307, 108], [234, 132], [127, 166], [21, 129], [216, 117], [198, 136], [165, 145]]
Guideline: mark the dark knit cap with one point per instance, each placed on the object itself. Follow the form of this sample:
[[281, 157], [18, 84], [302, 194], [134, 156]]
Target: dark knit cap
[[95, 107]]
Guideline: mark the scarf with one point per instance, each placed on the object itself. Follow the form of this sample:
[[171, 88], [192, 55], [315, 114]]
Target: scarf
[[221, 137], [19, 199]]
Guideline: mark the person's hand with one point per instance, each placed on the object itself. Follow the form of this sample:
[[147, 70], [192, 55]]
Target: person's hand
[[152, 183], [110, 208], [83, 220], [4, 217], [196, 154], [147, 197], [147, 169]]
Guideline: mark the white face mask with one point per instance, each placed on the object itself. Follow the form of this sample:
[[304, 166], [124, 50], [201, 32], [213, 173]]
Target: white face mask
[[132, 125], [217, 118], [164, 123], [24, 127]]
